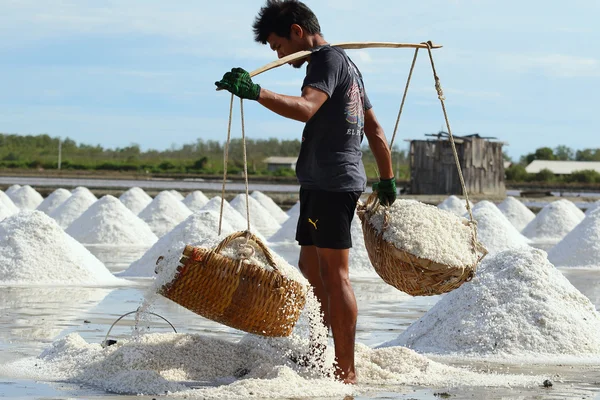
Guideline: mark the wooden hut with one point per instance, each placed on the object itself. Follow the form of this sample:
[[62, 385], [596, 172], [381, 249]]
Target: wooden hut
[[433, 169]]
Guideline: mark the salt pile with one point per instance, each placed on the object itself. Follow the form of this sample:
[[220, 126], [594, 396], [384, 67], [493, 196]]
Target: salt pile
[[287, 232], [12, 189], [26, 198], [593, 207], [73, 207], [270, 206], [54, 200], [494, 230], [7, 207], [195, 229], [135, 199], [581, 246], [164, 213], [34, 250], [427, 232], [554, 222], [516, 212], [518, 305], [230, 214], [295, 210], [83, 189], [177, 195], [454, 205], [260, 218], [109, 222], [195, 200], [359, 263]]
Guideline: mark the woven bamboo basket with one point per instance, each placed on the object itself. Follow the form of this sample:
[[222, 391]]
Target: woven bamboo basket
[[405, 271], [238, 294]]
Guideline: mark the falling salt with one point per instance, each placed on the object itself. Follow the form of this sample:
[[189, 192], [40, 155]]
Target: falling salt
[[516, 212], [135, 199], [270, 206], [494, 230], [427, 232], [26, 198], [73, 207], [195, 200], [554, 222], [164, 213], [194, 230], [454, 205], [517, 305], [34, 250], [109, 222], [260, 218], [581, 246], [54, 200]]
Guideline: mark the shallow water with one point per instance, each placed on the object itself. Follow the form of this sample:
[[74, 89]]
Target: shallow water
[[32, 318]]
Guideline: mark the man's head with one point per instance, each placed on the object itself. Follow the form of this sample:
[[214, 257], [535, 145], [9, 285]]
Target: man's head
[[288, 26]]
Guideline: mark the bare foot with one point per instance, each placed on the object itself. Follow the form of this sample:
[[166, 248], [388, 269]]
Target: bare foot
[[347, 378]]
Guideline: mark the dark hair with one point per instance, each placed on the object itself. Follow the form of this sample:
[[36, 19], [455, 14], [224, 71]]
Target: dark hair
[[278, 16]]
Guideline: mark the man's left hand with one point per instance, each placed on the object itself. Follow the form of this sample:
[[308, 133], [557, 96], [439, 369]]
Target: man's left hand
[[238, 82]]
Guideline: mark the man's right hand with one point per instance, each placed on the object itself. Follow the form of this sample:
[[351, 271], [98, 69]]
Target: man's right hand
[[386, 191], [239, 82]]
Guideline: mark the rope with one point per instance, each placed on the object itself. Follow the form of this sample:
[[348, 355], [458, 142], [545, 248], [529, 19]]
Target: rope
[[412, 67], [438, 87], [225, 161]]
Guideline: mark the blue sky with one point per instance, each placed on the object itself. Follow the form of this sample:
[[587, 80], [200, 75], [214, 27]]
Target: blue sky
[[143, 71]]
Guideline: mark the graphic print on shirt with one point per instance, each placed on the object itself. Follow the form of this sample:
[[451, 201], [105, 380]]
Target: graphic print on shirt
[[355, 113]]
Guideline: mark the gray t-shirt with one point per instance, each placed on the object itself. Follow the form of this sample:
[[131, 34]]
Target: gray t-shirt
[[330, 155]]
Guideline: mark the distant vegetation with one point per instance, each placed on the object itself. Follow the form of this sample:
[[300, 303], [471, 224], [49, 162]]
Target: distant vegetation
[[202, 157]]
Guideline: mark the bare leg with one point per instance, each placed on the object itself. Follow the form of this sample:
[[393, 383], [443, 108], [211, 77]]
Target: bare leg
[[343, 311]]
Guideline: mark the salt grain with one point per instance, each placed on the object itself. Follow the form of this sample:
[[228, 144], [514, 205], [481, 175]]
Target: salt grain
[[194, 230], [164, 213], [581, 246], [135, 199], [270, 206], [73, 207], [54, 200], [494, 230], [195, 200], [34, 250], [260, 218], [427, 232], [26, 198], [454, 205], [516, 212], [109, 222], [518, 305], [554, 222]]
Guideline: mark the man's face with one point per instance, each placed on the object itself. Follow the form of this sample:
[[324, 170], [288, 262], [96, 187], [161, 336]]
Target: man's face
[[285, 47]]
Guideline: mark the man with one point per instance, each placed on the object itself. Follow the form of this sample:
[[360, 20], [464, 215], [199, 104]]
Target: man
[[337, 113]]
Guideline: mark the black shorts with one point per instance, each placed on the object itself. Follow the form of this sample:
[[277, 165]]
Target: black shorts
[[325, 218]]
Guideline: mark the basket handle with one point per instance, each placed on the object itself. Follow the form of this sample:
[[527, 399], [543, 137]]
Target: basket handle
[[250, 236]]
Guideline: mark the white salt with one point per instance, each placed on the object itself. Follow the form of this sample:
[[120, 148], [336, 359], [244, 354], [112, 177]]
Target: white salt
[[195, 200], [26, 198], [54, 200], [73, 207], [427, 232], [287, 232], [7, 207], [195, 229], [516, 212], [581, 246], [83, 189], [108, 221], [295, 210], [135, 199], [164, 213], [494, 230], [34, 250], [270, 206], [554, 222], [592, 207], [177, 195], [260, 218], [230, 214], [518, 305], [454, 205], [359, 263], [12, 189]]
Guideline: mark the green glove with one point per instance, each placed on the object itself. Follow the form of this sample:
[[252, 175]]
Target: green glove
[[238, 82], [386, 191]]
